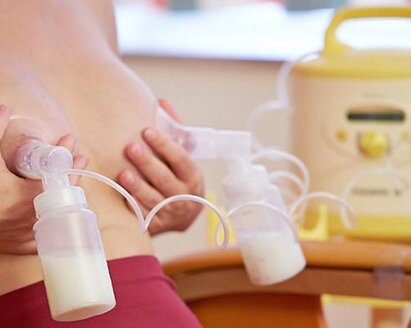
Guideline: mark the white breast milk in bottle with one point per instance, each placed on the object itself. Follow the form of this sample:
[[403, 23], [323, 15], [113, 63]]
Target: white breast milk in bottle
[[266, 238], [74, 266]]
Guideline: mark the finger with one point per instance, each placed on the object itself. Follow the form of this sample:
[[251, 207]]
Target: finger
[[25, 248], [157, 173], [145, 194], [68, 142], [143, 209], [4, 122], [4, 119], [169, 109], [22, 236], [156, 225], [79, 162], [18, 225], [169, 219], [18, 247], [175, 155]]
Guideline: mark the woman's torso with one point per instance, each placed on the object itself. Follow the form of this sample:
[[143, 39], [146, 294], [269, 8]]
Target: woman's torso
[[59, 69]]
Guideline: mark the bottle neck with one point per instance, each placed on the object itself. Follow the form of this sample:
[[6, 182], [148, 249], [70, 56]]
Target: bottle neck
[[245, 183], [55, 181], [57, 199]]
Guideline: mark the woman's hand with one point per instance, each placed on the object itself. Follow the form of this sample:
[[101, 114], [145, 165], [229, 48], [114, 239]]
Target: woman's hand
[[16, 200], [164, 171]]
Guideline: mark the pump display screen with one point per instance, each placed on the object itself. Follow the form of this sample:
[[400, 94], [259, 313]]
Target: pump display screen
[[376, 113]]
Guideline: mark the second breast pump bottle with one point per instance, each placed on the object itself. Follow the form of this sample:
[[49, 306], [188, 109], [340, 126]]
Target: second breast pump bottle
[[265, 233], [266, 236]]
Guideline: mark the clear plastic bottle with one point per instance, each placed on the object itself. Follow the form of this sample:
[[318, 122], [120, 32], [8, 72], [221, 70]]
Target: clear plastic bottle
[[266, 237], [68, 240]]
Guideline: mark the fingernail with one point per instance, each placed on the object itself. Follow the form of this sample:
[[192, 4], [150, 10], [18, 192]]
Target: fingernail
[[128, 177], [150, 134], [70, 137], [85, 161], [70, 142], [136, 150]]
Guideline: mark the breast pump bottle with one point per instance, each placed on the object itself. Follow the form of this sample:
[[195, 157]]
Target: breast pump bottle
[[265, 234], [74, 266]]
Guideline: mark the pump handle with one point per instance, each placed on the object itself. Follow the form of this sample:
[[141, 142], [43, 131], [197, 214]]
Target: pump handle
[[332, 46]]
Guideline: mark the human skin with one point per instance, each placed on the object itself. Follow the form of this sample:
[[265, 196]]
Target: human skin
[[60, 74], [156, 179]]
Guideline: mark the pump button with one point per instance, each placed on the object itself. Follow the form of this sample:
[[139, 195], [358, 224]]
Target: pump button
[[373, 144]]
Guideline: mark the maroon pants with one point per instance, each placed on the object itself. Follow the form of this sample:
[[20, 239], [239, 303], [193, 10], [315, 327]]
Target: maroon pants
[[145, 298]]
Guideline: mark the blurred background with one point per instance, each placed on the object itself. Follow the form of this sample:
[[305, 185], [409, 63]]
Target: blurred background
[[216, 60]]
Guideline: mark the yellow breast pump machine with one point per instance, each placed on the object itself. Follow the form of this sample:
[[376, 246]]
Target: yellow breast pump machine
[[351, 126]]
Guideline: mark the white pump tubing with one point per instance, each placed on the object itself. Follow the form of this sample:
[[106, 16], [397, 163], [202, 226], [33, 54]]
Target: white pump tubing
[[282, 103], [145, 223], [197, 199], [255, 116], [130, 199], [349, 224], [276, 154], [51, 164], [282, 215], [287, 175], [277, 175]]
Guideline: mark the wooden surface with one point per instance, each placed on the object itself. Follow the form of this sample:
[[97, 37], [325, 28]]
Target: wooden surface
[[355, 268], [361, 255]]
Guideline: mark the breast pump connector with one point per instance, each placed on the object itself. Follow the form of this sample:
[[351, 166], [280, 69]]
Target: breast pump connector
[[76, 276], [266, 236], [204, 143]]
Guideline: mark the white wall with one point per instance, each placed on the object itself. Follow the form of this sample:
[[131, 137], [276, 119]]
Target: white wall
[[212, 93]]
